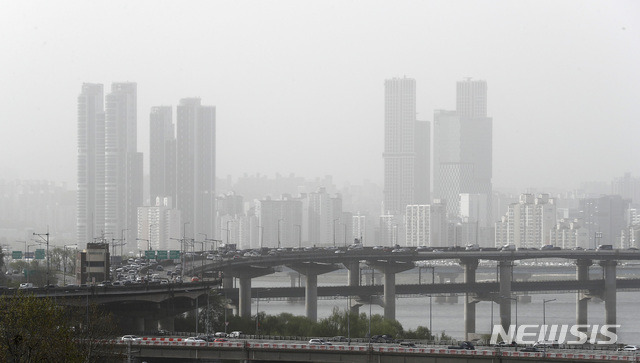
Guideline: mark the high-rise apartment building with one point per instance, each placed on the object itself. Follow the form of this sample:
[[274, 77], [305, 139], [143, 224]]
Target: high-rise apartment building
[[162, 153], [399, 144], [123, 163], [196, 166], [417, 219], [568, 234], [109, 165], [157, 225], [527, 223], [91, 154]]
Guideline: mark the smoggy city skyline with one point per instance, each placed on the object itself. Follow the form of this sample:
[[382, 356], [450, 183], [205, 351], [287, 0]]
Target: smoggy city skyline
[[299, 88]]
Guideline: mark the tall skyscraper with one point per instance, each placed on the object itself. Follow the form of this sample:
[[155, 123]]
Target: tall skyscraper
[[422, 182], [109, 165], [196, 166], [471, 98], [462, 156], [91, 153], [123, 163], [162, 154], [399, 144]]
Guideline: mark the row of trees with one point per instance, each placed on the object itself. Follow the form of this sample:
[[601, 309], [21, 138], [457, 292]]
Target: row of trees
[[340, 322]]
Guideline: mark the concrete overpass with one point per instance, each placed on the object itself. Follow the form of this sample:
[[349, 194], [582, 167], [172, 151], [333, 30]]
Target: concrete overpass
[[313, 263]]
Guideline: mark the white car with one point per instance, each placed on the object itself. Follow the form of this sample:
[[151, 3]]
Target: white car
[[194, 340], [630, 348], [318, 342], [130, 338]]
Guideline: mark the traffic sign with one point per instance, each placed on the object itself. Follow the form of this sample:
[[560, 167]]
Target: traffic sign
[[161, 255], [16, 255], [174, 255], [150, 254], [40, 254]]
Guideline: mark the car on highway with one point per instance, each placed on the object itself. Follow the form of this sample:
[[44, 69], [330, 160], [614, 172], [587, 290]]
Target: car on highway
[[316, 341], [194, 340], [546, 344], [408, 344], [130, 338], [530, 349], [630, 348], [463, 346]]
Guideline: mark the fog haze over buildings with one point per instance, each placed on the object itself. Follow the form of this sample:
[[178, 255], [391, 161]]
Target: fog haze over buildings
[[298, 86]]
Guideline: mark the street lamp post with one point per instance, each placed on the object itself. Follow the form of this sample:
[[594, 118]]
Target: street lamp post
[[345, 234], [370, 303], [64, 266], [122, 241], [148, 242], [279, 220], [258, 310], [544, 313], [47, 241], [183, 261]]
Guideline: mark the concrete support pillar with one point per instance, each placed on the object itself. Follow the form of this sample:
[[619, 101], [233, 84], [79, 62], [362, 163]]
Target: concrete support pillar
[[609, 295], [244, 297], [506, 271], [227, 282], [470, 266], [150, 325], [138, 325], [389, 294], [311, 271], [311, 297], [353, 270], [167, 323], [582, 274]]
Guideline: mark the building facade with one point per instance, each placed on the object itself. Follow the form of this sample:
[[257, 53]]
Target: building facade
[[528, 223], [196, 166], [162, 154], [399, 144], [91, 154]]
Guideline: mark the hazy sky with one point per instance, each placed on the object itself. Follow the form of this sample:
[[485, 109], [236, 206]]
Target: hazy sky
[[298, 85]]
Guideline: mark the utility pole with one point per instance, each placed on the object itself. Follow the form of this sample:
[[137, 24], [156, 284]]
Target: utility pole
[[41, 235]]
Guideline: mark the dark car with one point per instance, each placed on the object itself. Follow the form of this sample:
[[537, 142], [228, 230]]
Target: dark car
[[385, 338], [530, 349], [463, 346]]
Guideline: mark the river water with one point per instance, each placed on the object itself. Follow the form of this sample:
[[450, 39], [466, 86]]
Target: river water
[[448, 316]]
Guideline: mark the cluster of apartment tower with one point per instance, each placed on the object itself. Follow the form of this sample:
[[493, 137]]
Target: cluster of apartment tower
[[455, 153]]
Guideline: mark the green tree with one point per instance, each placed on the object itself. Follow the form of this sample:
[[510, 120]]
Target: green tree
[[35, 330]]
